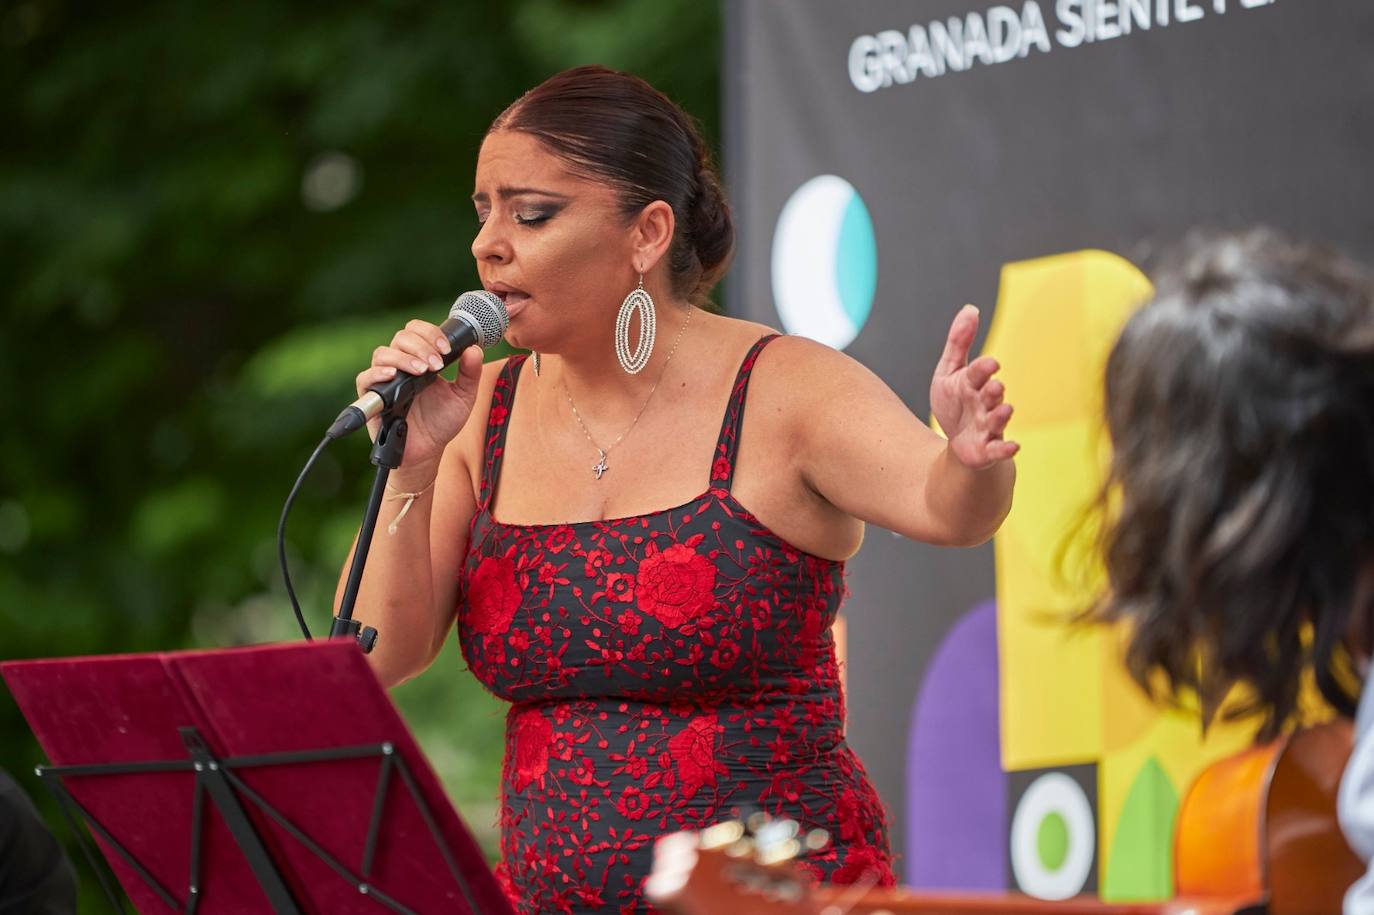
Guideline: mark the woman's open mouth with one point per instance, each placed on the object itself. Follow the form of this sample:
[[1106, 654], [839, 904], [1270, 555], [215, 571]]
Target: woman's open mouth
[[513, 298]]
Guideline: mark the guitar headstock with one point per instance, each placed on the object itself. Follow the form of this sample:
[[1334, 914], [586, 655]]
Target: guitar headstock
[[735, 866]]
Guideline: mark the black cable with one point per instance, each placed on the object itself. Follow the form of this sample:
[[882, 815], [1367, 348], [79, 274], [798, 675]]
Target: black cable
[[281, 534]]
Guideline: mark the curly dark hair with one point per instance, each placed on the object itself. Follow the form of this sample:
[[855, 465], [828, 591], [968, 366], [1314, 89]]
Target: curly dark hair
[[1239, 504]]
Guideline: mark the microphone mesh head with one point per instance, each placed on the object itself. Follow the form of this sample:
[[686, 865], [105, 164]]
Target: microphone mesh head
[[484, 311]]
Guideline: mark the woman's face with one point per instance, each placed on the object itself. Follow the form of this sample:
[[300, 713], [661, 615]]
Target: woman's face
[[553, 245]]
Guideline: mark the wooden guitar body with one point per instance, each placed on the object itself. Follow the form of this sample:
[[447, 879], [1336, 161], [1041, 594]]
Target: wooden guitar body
[[1263, 824], [1256, 835]]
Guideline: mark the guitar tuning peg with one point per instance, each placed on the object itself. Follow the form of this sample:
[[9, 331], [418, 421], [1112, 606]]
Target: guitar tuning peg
[[722, 834], [778, 852], [675, 856], [816, 840], [775, 831], [742, 848]]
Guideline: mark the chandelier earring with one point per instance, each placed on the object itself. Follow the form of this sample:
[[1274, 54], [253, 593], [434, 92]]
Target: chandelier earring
[[534, 357], [638, 300]]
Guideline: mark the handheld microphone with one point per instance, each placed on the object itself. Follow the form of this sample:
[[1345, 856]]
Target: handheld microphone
[[478, 318]]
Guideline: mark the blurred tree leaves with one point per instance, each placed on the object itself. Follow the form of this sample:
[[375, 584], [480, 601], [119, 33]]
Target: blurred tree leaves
[[209, 215]]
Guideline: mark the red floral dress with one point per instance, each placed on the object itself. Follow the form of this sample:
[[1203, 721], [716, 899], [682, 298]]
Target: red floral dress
[[666, 671]]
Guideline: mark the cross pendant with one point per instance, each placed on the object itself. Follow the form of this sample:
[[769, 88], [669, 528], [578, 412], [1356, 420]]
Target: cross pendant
[[600, 466]]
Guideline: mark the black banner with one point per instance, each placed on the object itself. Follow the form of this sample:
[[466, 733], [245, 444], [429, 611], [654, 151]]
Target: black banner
[[893, 159]]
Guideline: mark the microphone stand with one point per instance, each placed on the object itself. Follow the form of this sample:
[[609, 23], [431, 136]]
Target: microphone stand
[[387, 452]]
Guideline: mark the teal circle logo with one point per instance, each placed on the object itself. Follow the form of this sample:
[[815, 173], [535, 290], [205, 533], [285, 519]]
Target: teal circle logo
[[825, 262]]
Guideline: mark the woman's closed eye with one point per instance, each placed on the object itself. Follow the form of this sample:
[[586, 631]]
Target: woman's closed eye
[[520, 218]]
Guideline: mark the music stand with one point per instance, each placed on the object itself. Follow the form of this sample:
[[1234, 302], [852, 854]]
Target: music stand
[[318, 805]]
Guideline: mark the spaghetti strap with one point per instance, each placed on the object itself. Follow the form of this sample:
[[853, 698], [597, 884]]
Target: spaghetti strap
[[727, 446], [494, 448]]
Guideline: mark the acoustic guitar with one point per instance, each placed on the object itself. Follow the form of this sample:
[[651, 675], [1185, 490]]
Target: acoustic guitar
[[1257, 833]]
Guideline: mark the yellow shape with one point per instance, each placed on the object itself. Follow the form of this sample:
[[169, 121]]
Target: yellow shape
[[1175, 740], [1054, 324], [1066, 698], [1051, 709], [1131, 713]]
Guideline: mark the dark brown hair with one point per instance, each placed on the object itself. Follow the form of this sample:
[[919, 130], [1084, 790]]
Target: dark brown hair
[[615, 127], [1240, 404]]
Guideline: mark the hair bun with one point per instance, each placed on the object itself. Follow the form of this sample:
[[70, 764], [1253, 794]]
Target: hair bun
[[712, 227]]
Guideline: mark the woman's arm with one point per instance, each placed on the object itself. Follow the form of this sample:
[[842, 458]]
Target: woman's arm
[[410, 588], [862, 450]]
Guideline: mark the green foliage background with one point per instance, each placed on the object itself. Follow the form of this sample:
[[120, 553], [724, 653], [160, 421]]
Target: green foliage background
[[182, 326]]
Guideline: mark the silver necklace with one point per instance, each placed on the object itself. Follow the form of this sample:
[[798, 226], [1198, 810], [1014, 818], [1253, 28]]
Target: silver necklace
[[600, 466]]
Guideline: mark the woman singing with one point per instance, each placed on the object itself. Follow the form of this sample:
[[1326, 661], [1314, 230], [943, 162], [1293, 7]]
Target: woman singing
[[640, 529]]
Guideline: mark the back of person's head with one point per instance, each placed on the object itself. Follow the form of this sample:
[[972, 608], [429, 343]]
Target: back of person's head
[[614, 127], [1240, 499], [35, 875]]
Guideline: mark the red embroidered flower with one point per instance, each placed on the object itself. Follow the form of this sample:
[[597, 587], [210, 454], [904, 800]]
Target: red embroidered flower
[[620, 586], [633, 803], [558, 539], [859, 861], [629, 622], [596, 561], [547, 573], [589, 897], [786, 786], [720, 470], [498, 415], [493, 596], [694, 753], [818, 714], [585, 773], [853, 816], [812, 626], [725, 655], [532, 735], [676, 586]]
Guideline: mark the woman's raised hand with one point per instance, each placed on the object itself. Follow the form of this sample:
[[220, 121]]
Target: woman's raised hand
[[440, 410], [967, 401]]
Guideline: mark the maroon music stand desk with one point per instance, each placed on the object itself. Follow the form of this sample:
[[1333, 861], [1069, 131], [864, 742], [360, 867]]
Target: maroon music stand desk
[[278, 778]]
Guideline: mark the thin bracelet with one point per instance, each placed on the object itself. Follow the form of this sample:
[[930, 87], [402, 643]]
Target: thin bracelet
[[410, 498]]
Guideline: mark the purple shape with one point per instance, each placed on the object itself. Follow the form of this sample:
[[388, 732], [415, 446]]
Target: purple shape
[[956, 793]]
